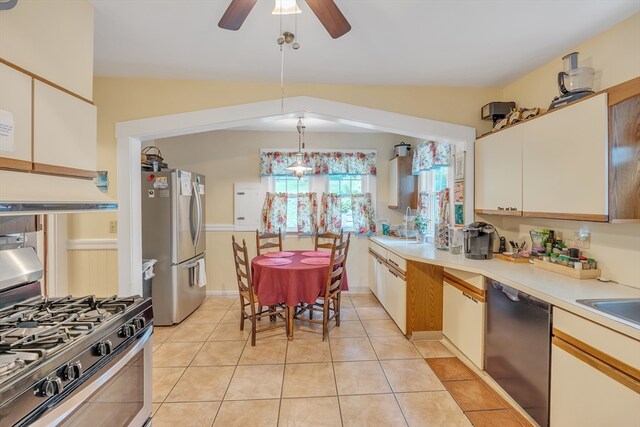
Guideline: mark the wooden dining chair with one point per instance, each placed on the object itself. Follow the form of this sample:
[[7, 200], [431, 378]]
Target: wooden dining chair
[[250, 307], [329, 301], [332, 238], [264, 242]]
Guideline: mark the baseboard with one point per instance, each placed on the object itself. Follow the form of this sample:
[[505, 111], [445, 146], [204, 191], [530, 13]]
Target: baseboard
[[426, 335], [358, 290], [222, 293]]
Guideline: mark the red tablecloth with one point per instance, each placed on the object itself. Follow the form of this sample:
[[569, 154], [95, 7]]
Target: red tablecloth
[[291, 283]]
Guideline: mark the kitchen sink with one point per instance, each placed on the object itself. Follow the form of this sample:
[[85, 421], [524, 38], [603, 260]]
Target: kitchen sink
[[624, 308]]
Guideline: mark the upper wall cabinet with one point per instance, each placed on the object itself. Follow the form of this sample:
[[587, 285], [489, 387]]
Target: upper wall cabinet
[[15, 119], [564, 163], [64, 133], [53, 40], [402, 184], [498, 173]]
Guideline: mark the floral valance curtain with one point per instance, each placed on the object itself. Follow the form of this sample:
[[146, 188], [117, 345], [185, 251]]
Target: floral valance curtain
[[331, 213], [330, 163], [307, 213], [430, 155], [363, 214], [274, 213]]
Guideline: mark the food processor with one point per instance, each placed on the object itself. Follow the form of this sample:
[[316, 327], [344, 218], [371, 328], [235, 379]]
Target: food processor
[[574, 82]]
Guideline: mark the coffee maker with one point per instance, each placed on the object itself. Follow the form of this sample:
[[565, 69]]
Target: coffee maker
[[478, 240]]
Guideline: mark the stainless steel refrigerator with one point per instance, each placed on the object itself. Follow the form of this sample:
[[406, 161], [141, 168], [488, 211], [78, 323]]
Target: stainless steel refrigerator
[[173, 214]]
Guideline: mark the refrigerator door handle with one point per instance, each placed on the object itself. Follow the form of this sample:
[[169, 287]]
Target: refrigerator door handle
[[199, 214]]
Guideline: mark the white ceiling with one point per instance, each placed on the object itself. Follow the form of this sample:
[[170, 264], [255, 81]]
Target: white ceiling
[[312, 124], [395, 42]]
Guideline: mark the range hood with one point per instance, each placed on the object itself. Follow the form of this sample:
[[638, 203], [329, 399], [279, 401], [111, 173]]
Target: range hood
[[32, 193]]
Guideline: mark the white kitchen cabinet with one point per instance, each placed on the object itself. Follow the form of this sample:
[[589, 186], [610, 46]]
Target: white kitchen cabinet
[[64, 139], [593, 374], [564, 169], [498, 173], [15, 119], [396, 298], [463, 320], [372, 274], [381, 282], [402, 184]]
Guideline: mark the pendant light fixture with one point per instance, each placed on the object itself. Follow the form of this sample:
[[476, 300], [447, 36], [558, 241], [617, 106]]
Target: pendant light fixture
[[299, 167], [286, 7]]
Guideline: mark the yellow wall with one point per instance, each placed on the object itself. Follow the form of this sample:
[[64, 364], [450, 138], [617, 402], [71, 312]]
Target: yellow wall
[[614, 54]]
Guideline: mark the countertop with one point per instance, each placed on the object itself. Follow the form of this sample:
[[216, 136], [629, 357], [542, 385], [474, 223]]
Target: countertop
[[558, 290]]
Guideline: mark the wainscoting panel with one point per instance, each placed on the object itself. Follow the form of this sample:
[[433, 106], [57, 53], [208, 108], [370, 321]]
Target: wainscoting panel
[[92, 272]]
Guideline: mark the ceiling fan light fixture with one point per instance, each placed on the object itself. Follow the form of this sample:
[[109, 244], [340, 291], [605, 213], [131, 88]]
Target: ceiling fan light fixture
[[286, 7]]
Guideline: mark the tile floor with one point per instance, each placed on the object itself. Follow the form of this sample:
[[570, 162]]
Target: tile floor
[[206, 373]]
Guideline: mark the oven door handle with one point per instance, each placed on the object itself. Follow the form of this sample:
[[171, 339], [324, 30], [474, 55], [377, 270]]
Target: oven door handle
[[55, 415]]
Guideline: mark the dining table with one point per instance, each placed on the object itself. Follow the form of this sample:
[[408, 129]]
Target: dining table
[[291, 277]]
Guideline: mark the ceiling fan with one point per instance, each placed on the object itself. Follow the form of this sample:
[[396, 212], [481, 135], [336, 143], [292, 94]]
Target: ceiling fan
[[326, 11]]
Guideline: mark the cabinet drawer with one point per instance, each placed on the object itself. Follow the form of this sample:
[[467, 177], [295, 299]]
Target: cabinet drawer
[[611, 343], [382, 252], [396, 262]]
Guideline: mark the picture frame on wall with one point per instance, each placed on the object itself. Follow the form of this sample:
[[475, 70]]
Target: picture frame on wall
[[458, 166]]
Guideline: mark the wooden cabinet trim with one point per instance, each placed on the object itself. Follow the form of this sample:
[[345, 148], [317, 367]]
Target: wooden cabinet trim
[[45, 81], [607, 369], [63, 171], [567, 216], [601, 356], [15, 164], [623, 91], [466, 287], [497, 212]]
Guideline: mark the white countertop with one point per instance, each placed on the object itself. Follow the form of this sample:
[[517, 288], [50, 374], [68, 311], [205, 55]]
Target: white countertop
[[559, 290]]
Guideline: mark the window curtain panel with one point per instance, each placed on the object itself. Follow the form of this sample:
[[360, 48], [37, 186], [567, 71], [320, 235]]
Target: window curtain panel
[[331, 215], [423, 204], [307, 213], [363, 213], [274, 213], [444, 203], [430, 155], [274, 163]]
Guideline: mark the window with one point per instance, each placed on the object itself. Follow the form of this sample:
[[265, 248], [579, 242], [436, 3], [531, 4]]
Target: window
[[433, 181], [292, 186], [346, 186]]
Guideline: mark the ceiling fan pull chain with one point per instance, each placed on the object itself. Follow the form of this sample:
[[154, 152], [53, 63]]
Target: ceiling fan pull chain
[[281, 79]]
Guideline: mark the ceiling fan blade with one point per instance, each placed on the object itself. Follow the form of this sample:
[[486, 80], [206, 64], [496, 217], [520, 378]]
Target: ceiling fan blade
[[235, 14], [330, 16]]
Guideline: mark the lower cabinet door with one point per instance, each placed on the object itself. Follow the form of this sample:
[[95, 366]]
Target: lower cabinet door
[[381, 282], [581, 395], [396, 304], [372, 274], [463, 323]]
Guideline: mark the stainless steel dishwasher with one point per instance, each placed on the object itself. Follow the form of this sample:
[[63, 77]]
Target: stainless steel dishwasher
[[518, 347]]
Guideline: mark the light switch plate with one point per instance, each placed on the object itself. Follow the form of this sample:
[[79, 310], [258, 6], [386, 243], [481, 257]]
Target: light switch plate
[[113, 227]]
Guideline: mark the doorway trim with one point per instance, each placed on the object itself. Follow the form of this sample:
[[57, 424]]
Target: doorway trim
[[131, 134]]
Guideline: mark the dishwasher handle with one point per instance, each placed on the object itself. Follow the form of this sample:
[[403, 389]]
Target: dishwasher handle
[[519, 296], [511, 293]]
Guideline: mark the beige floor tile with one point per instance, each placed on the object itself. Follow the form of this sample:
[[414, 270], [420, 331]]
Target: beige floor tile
[[264, 353], [381, 328], [365, 300], [202, 315], [411, 375], [360, 378], [202, 384], [308, 351], [307, 412], [394, 348], [192, 332], [379, 410], [348, 313], [155, 347], [154, 408], [173, 354], [309, 331], [161, 333], [256, 382], [351, 349], [242, 413], [346, 300], [347, 329], [308, 380], [229, 332], [432, 409], [372, 313], [232, 316], [163, 381], [220, 303], [431, 349], [196, 414], [215, 353]]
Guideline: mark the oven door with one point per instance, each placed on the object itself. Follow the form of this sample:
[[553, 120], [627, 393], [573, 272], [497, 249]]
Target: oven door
[[117, 395]]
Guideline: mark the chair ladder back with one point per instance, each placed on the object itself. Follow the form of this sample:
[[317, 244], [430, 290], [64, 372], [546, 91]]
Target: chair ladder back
[[333, 237], [268, 244], [337, 266], [243, 271]]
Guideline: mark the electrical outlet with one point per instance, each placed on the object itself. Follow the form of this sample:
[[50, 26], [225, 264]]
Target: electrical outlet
[[113, 227]]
